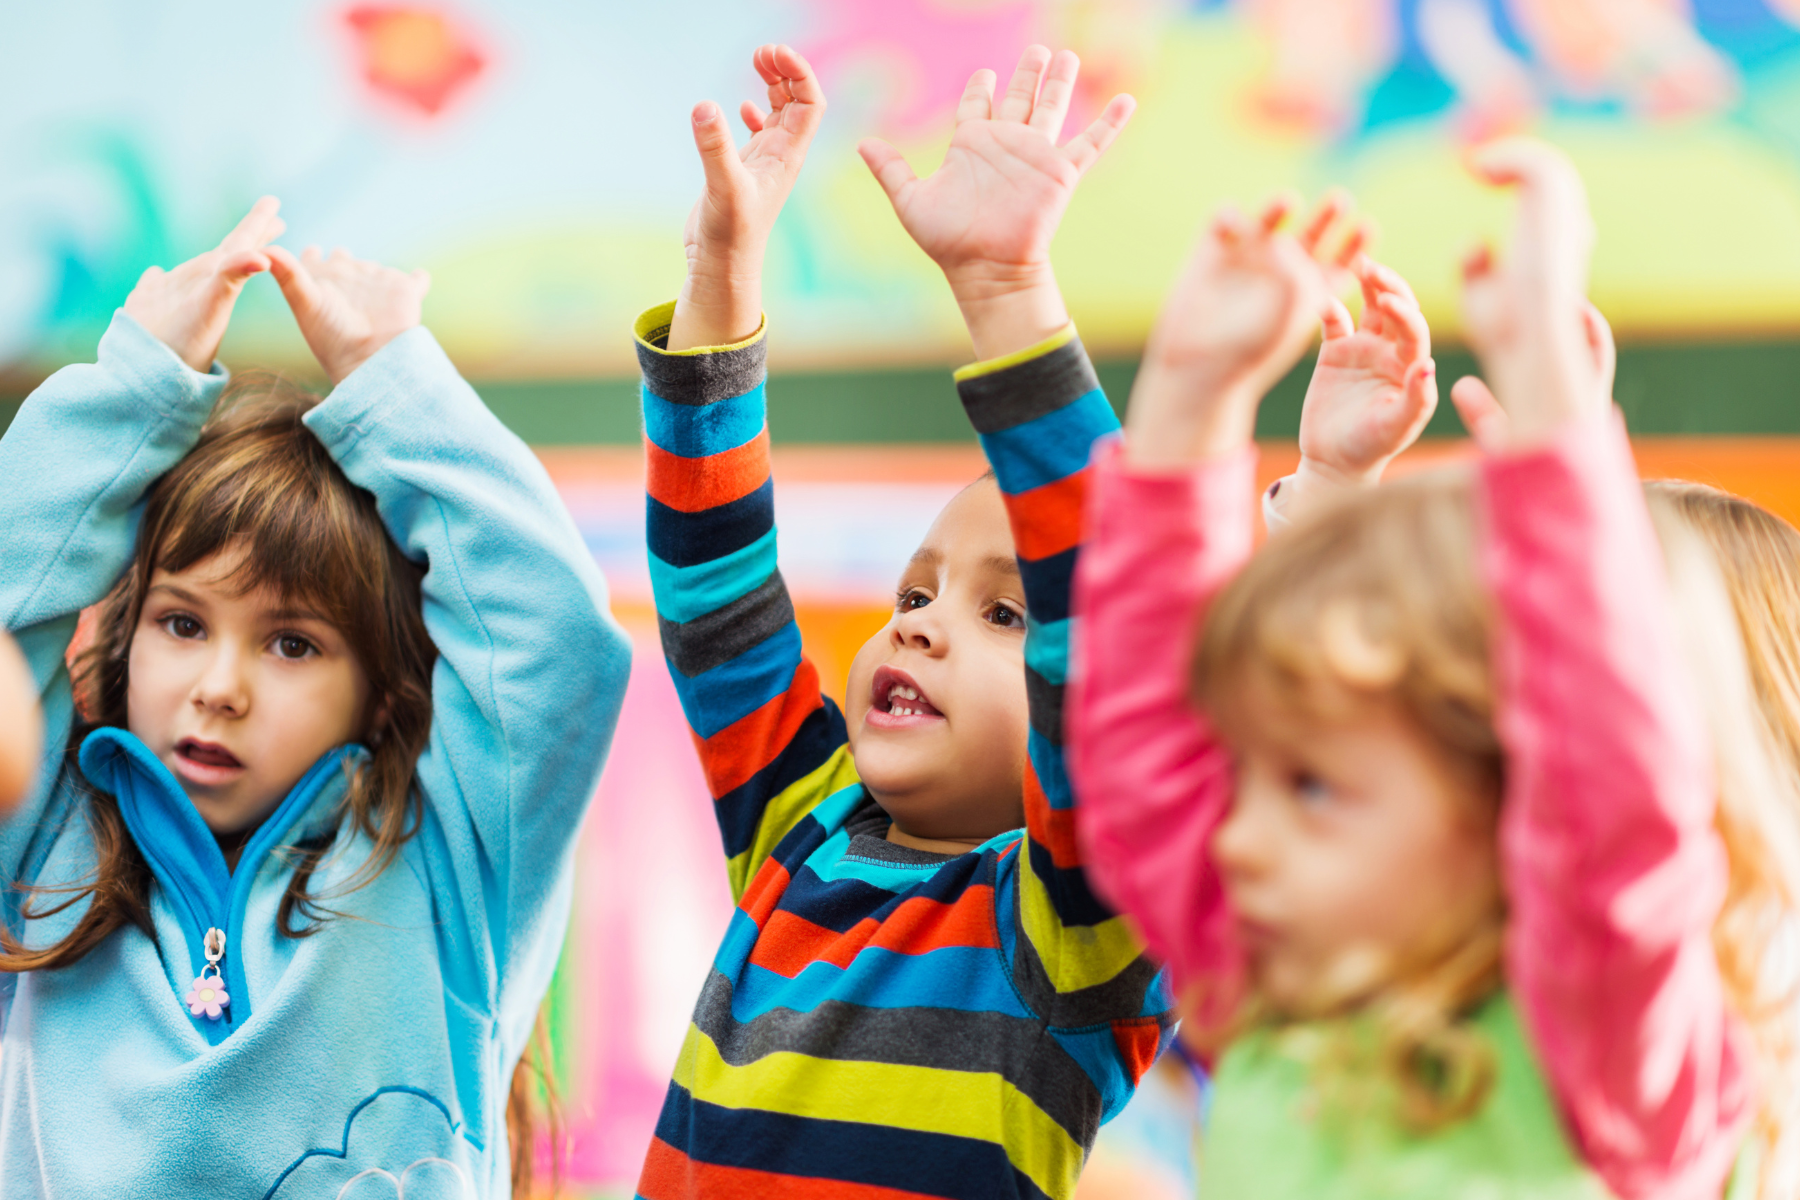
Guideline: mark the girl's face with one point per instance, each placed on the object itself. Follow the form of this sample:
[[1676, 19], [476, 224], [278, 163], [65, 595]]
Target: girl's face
[[238, 693], [1354, 851]]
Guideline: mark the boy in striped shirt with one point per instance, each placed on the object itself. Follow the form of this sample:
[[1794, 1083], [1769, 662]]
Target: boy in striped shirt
[[915, 996]]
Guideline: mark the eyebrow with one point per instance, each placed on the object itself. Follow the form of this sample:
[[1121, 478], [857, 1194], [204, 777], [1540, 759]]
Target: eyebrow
[[930, 556], [280, 614]]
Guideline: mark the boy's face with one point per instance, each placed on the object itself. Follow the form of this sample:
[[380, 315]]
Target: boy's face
[[238, 693], [936, 701]]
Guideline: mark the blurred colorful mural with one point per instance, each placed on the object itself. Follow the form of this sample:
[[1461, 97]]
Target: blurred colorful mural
[[534, 155]]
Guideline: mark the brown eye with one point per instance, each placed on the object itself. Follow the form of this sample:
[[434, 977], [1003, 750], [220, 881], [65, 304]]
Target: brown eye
[[182, 626], [290, 646], [910, 600], [1006, 618]]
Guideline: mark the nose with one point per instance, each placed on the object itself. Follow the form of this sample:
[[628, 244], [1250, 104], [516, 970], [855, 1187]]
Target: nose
[[223, 687], [1244, 846], [920, 629]]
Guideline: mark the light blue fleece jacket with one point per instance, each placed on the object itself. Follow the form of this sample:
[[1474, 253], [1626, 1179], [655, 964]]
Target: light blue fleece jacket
[[373, 1058]]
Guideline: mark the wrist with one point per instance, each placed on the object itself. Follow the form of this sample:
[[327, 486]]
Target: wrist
[[1007, 308], [720, 305], [1180, 418]]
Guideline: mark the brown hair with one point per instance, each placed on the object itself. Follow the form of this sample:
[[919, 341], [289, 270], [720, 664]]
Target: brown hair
[[259, 481], [1379, 599]]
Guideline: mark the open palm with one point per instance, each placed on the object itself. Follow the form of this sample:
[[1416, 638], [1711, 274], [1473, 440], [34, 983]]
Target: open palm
[[188, 308], [1375, 387], [998, 196]]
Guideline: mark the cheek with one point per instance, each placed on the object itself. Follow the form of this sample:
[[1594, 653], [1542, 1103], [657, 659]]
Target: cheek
[[862, 671]]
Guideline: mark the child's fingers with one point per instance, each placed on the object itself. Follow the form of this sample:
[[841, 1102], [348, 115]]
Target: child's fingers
[[1336, 322], [1552, 196], [1481, 414], [1021, 92], [802, 82], [1353, 245], [150, 275], [977, 103], [1405, 325], [1332, 205], [888, 165], [294, 277], [1053, 99], [1420, 395], [1387, 279], [1478, 262], [718, 153], [241, 265], [1601, 345], [1085, 149], [423, 278], [1276, 212], [752, 116], [1229, 225], [248, 233]]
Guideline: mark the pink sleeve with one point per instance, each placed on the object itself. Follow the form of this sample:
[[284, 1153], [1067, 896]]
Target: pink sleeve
[[1153, 782], [1614, 874]]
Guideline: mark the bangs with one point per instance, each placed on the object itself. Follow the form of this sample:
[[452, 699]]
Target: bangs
[[259, 483]]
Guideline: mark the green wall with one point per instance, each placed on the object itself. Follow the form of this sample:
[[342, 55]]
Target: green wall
[[1668, 388]]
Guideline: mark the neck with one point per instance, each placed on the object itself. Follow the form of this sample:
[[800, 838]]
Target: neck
[[900, 837]]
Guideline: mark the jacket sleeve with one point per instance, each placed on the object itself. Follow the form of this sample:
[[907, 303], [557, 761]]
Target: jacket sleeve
[[1154, 781], [77, 460], [1613, 870], [1039, 415], [771, 745], [531, 668]]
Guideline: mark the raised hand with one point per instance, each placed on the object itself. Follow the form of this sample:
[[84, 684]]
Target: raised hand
[[1525, 315], [728, 229], [987, 214], [1239, 315], [1486, 421], [347, 308], [1374, 387], [189, 307]]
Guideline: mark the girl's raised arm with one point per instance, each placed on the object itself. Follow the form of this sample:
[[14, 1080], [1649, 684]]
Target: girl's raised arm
[[81, 453], [531, 669]]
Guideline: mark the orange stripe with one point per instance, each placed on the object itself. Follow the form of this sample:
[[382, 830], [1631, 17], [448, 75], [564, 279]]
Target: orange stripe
[[765, 892], [1137, 1042], [1051, 828], [691, 485], [791, 943], [1047, 520], [750, 743], [671, 1175]]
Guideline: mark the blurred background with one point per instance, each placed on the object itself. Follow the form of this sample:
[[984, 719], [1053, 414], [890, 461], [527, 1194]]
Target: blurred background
[[535, 157]]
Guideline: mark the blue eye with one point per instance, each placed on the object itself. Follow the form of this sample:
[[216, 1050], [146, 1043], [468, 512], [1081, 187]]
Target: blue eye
[[910, 599]]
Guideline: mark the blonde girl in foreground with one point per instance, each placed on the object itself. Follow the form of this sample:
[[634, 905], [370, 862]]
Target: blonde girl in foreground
[[1433, 855]]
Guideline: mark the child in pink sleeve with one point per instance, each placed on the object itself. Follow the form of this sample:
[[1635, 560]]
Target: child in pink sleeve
[[1422, 816]]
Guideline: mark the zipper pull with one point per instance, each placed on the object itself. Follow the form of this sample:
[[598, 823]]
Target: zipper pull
[[207, 997]]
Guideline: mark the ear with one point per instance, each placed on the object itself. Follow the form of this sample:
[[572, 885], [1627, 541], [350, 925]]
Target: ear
[[376, 730]]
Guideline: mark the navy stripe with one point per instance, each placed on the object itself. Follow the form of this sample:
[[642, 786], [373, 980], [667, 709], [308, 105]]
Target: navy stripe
[[1047, 582], [689, 539], [741, 809], [934, 1164], [1074, 901], [1044, 701]]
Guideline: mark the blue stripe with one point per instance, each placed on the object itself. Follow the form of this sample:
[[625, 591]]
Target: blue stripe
[[732, 691], [1047, 648], [1097, 1053], [702, 430], [960, 978], [683, 593], [1052, 447], [1047, 761], [689, 539]]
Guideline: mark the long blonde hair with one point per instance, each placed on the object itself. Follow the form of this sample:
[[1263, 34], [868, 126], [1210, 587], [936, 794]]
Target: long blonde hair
[[1381, 596]]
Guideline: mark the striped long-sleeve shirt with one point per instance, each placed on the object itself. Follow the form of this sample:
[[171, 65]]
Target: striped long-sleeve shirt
[[879, 1022]]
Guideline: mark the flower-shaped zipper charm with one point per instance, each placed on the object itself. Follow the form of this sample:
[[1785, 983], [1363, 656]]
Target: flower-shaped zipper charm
[[208, 998]]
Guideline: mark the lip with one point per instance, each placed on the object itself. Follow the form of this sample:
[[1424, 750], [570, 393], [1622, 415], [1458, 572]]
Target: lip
[[878, 716], [202, 772], [1256, 936]]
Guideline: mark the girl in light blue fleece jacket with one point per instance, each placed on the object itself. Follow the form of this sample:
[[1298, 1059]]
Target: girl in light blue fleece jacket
[[297, 867]]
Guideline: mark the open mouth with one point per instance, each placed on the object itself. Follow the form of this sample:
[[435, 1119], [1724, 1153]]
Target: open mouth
[[896, 700], [206, 762]]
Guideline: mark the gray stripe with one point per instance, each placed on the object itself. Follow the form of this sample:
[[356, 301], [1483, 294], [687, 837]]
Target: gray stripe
[[1120, 998], [1044, 701], [701, 378], [1023, 393], [719, 636], [1018, 1049]]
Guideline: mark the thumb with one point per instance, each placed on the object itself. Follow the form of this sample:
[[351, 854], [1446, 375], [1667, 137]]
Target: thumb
[[888, 166], [1481, 414], [1336, 320], [242, 265], [1421, 394], [718, 153], [296, 282]]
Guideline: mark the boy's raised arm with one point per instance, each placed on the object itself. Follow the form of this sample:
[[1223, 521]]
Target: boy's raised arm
[[771, 744]]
